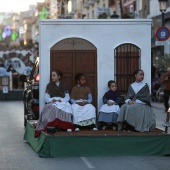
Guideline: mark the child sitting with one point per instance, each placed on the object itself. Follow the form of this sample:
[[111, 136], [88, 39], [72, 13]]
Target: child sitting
[[84, 113], [108, 113]]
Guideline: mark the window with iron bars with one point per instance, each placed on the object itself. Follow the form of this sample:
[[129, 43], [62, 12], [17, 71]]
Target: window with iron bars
[[127, 60]]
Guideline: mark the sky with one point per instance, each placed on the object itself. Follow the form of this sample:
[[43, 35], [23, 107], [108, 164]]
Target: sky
[[16, 5]]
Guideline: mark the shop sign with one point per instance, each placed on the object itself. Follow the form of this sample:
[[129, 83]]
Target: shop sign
[[100, 11]]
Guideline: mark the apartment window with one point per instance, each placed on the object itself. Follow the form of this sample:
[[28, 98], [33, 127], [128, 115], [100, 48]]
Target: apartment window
[[168, 4], [111, 2], [127, 59]]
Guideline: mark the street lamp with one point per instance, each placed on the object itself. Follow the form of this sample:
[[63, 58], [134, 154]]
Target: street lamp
[[162, 8]]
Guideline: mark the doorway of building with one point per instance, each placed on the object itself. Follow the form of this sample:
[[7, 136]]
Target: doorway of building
[[72, 56]]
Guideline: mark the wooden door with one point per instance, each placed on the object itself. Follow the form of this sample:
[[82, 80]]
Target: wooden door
[[77, 61]]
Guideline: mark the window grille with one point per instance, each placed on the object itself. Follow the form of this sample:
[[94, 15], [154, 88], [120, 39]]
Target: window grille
[[127, 60]]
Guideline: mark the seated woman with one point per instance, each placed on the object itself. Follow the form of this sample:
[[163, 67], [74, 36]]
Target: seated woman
[[137, 112], [108, 113], [84, 113], [57, 111]]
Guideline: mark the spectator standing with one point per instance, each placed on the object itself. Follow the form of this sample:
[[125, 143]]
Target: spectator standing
[[153, 70], [165, 80], [3, 71]]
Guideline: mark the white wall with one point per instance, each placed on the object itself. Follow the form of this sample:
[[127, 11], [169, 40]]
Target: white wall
[[154, 8], [106, 35]]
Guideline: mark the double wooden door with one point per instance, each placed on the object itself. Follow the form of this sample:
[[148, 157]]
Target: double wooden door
[[77, 61]]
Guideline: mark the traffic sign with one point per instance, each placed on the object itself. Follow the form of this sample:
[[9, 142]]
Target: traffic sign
[[160, 43], [162, 33]]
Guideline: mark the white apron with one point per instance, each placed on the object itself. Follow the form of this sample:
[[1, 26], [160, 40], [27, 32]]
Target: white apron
[[65, 106], [81, 113], [110, 109]]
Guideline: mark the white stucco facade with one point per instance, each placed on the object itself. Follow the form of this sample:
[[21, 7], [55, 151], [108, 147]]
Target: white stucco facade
[[105, 35], [154, 9]]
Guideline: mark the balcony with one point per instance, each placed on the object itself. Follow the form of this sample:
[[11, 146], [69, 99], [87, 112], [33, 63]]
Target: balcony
[[95, 0], [90, 2], [86, 5]]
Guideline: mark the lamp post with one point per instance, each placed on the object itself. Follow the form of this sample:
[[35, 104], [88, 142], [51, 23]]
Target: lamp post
[[162, 8]]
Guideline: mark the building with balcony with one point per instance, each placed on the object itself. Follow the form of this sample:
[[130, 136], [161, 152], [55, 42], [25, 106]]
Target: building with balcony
[[156, 15], [92, 9]]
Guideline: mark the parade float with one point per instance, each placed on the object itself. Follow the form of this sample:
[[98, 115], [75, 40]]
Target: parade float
[[103, 50]]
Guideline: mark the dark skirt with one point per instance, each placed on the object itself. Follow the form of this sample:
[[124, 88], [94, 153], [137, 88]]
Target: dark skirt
[[139, 116], [108, 117]]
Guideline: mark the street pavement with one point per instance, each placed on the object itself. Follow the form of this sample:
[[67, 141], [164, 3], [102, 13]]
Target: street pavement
[[16, 154], [160, 114]]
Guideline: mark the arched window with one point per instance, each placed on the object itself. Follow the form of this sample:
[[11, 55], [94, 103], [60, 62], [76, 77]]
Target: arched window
[[127, 60]]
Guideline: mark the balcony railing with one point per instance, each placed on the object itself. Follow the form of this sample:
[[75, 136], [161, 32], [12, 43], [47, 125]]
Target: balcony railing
[[90, 2], [86, 5]]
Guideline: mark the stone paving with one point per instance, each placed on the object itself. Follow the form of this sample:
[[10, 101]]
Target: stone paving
[[160, 114]]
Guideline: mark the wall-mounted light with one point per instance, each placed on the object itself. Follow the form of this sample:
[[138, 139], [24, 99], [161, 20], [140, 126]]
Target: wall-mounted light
[[162, 5]]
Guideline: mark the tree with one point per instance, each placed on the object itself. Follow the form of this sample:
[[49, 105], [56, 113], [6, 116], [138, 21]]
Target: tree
[[103, 16], [164, 62]]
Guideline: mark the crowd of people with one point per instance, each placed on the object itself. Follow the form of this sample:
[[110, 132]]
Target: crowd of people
[[9, 70], [165, 80], [75, 111], [3, 71]]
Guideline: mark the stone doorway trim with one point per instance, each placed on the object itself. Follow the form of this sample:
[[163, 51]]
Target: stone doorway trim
[[73, 44]]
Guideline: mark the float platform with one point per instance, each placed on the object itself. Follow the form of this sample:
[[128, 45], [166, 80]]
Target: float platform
[[101, 143]]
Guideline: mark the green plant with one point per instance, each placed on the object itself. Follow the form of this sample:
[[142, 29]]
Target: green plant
[[164, 62], [103, 16]]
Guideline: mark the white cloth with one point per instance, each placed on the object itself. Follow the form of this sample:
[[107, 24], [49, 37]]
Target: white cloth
[[3, 72], [65, 99], [110, 109], [65, 106], [81, 113], [136, 87]]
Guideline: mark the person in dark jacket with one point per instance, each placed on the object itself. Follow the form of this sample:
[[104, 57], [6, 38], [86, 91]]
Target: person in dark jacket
[[108, 113], [165, 80]]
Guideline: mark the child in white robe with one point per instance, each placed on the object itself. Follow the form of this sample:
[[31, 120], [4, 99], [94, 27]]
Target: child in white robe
[[84, 113]]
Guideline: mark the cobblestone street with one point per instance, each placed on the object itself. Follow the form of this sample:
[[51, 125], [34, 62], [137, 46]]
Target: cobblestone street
[[160, 114]]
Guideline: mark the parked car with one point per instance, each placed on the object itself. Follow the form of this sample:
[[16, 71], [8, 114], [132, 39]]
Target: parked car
[[31, 93]]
